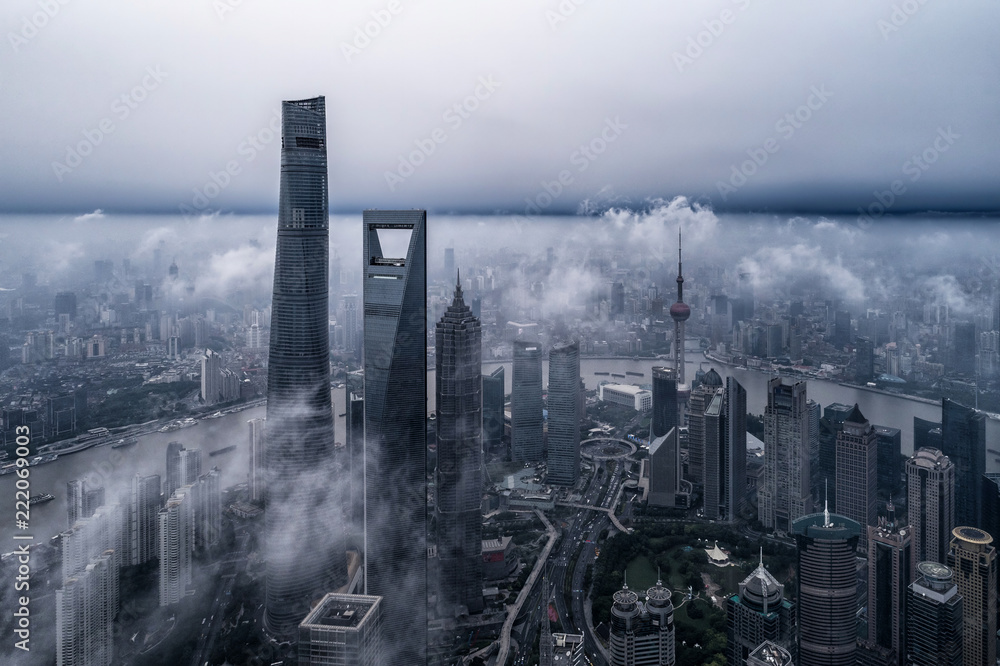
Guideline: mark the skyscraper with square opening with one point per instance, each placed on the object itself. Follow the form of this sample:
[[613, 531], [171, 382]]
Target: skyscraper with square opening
[[395, 355], [304, 525]]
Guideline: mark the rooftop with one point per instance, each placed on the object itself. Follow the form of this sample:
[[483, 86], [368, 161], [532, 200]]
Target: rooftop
[[345, 611]]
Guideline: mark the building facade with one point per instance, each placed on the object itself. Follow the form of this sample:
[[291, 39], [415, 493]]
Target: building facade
[[493, 408], [395, 365]]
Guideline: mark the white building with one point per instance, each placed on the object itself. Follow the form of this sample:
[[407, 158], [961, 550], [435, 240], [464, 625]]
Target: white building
[[627, 395], [343, 630], [176, 535]]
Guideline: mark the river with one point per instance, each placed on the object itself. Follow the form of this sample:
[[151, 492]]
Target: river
[[113, 468]]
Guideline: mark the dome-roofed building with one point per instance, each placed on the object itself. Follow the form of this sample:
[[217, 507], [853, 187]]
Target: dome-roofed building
[[642, 633], [711, 378]]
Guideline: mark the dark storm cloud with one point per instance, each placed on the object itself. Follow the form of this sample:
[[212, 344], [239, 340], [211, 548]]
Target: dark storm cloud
[[159, 105]]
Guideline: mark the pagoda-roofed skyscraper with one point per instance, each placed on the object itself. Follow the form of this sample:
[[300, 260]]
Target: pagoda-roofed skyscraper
[[458, 377], [304, 527]]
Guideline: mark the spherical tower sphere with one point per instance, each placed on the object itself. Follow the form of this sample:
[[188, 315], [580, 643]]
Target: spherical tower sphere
[[680, 311]]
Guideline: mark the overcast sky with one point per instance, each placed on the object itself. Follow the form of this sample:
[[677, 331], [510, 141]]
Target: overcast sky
[[847, 104]]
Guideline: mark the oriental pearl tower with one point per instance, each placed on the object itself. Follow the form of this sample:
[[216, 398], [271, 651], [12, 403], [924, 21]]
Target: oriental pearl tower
[[679, 312]]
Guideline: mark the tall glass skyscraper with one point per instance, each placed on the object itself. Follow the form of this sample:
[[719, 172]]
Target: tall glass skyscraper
[[395, 355], [564, 414], [827, 588], [493, 404], [526, 424], [458, 375], [963, 440], [785, 496], [303, 522]]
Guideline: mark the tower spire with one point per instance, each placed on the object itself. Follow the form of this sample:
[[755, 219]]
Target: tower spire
[[826, 504]]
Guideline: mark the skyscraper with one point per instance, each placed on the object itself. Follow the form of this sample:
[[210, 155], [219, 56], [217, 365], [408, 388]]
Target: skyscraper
[[926, 434], [930, 497], [395, 364], [827, 588], [564, 414], [963, 440], [964, 347], [211, 377], [664, 416], [700, 399], [343, 630], [493, 404], [526, 425], [642, 634], [680, 312], [758, 612], [176, 537], [889, 453], [785, 496], [890, 568], [354, 443], [733, 468], [299, 429], [864, 361], [458, 378], [933, 618], [857, 472], [258, 471], [141, 522], [974, 562]]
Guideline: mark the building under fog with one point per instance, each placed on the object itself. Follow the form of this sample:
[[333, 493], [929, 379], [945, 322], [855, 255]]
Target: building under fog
[[299, 430], [395, 364], [458, 377], [344, 630]]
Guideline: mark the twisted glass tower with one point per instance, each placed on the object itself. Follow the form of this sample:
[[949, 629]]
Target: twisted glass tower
[[458, 376], [304, 525], [395, 354]]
